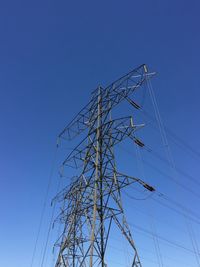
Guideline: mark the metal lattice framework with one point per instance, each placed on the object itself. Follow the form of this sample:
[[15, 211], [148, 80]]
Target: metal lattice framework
[[92, 202]]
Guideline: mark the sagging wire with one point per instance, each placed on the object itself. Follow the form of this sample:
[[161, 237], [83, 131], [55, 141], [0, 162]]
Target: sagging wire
[[174, 137], [131, 197], [161, 172], [180, 206], [45, 202], [191, 215], [168, 151], [156, 154], [162, 130], [160, 124], [171, 163], [191, 178], [114, 239], [150, 215], [139, 144], [188, 176], [196, 220], [50, 224], [162, 196], [193, 241], [156, 244], [170, 242], [58, 233]]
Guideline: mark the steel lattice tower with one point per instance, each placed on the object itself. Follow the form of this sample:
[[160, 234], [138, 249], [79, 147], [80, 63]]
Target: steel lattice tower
[[92, 202]]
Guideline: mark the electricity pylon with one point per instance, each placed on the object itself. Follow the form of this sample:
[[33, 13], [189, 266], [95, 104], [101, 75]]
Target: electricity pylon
[[92, 202]]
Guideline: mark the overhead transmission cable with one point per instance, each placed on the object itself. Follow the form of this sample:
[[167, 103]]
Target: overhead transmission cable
[[168, 150], [156, 244], [44, 204], [166, 240], [149, 215], [193, 241], [179, 141], [186, 212], [174, 137], [50, 224], [161, 125], [163, 135], [142, 174], [167, 175], [114, 239], [188, 176], [162, 195]]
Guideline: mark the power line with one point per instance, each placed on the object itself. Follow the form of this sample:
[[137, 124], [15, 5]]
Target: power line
[[193, 241], [174, 137], [188, 176], [171, 242], [186, 188], [156, 244], [44, 205], [162, 195], [50, 225], [186, 212], [197, 221]]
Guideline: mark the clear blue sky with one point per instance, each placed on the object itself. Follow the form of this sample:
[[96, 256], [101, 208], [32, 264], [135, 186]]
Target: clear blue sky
[[52, 55]]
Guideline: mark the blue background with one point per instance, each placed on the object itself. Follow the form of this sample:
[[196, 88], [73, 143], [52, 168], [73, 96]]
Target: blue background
[[52, 55]]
